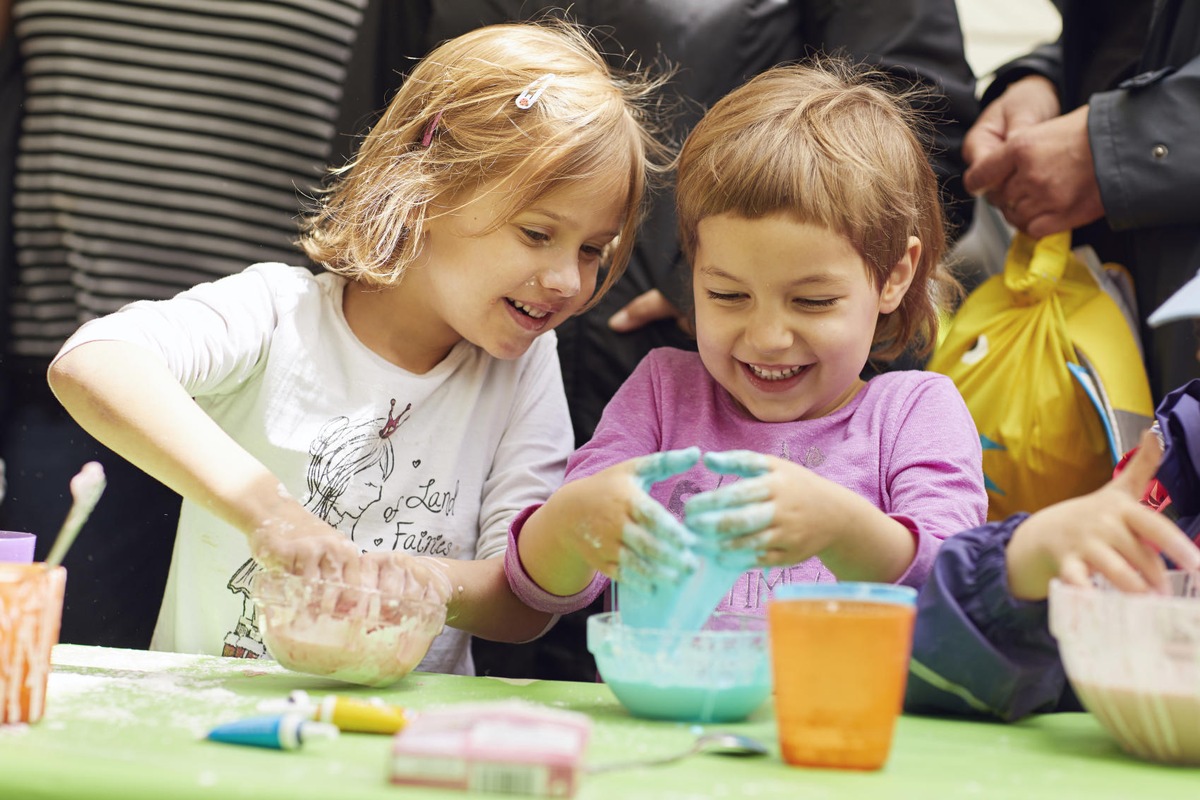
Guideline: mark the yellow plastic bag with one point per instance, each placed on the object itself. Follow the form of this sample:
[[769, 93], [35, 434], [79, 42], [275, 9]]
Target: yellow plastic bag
[[1048, 359]]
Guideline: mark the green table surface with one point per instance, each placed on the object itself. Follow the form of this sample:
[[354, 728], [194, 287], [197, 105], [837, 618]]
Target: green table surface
[[130, 724]]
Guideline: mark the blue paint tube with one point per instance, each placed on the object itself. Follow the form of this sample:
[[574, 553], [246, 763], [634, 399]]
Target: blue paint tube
[[276, 731]]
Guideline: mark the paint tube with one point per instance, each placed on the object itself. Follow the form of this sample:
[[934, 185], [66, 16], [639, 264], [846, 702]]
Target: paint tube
[[277, 731], [349, 714]]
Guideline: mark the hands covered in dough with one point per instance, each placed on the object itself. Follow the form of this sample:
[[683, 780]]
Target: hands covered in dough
[[296, 541], [778, 514], [785, 514]]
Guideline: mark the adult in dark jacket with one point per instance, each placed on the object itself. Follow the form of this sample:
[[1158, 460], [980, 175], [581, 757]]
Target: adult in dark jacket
[[1096, 133], [716, 45]]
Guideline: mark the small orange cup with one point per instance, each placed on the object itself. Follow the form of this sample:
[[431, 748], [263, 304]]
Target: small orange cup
[[839, 654], [31, 602]]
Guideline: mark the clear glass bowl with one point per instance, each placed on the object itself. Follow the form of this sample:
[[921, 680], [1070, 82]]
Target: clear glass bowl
[[346, 633], [1134, 661], [719, 674]]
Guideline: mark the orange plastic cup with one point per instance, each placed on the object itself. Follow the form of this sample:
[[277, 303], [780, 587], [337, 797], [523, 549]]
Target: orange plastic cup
[[839, 653], [31, 602]]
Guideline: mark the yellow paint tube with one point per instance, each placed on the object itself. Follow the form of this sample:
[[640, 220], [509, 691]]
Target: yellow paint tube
[[347, 714], [359, 716]]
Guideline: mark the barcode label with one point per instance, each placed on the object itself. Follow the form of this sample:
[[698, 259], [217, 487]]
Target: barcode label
[[507, 778]]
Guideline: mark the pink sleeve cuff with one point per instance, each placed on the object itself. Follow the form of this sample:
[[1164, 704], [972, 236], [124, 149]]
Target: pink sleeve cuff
[[528, 590], [927, 548]]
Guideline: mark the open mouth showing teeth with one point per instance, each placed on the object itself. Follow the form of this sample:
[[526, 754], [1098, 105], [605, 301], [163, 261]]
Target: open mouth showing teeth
[[774, 374], [528, 311]]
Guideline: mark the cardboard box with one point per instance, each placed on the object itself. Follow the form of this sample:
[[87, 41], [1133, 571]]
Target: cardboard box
[[510, 747]]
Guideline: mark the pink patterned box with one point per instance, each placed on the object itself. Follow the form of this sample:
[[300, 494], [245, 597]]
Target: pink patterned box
[[507, 746]]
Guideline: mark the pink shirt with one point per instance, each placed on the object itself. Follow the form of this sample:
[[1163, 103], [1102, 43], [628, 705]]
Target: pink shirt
[[905, 442]]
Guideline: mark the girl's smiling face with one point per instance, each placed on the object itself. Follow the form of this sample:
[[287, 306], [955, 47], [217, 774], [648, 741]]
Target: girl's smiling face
[[786, 312], [500, 287]]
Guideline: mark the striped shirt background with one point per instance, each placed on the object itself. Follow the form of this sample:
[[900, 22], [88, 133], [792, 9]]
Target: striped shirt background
[[164, 143]]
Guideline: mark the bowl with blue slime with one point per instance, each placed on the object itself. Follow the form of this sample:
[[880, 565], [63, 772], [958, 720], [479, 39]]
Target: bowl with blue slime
[[719, 673]]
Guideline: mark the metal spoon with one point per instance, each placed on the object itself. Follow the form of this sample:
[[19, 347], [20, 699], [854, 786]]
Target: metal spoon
[[718, 743]]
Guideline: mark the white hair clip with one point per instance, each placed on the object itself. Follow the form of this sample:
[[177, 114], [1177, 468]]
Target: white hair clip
[[533, 91]]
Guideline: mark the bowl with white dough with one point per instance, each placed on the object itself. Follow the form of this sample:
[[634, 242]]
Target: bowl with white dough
[[348, 633], [1134, 662]]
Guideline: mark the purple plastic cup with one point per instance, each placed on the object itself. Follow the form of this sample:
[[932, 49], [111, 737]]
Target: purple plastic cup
[[17, 547]]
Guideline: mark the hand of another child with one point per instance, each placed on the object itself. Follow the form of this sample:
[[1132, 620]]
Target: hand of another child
[[627, 534], [1108, 532]]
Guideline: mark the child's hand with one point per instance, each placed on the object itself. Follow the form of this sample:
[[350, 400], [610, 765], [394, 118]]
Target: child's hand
[[785, 514], [625, 533], [751, 514], [412, 577], [296, 541], [1107, 532]]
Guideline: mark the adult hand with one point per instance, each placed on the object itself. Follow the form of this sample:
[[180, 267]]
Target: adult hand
[[647, 307], [1043, 179], [1108, 532], [1028, 101]]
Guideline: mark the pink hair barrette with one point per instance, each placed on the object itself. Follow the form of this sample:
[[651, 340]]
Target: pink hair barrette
[[431, 129]]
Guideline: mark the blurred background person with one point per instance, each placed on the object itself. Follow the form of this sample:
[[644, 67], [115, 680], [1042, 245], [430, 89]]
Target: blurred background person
[[147, 146], [1095, 133]]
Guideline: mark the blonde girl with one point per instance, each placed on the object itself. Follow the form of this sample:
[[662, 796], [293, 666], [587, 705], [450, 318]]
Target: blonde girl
[[501, 186]]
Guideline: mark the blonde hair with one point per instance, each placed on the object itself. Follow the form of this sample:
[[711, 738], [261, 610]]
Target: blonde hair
[[589, 120], [827, 144]]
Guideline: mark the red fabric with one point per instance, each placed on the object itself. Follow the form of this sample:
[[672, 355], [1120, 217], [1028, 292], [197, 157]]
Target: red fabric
[[1155, 495]]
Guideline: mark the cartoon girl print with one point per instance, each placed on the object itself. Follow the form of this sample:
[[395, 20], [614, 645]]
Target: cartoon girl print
[[339, 492]]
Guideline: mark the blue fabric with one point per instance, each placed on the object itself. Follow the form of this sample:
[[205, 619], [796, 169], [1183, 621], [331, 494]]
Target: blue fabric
[[977, 650], [1179, 419]]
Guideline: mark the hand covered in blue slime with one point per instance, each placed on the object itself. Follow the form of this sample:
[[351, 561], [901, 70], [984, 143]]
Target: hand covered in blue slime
[[656, 548], [687, 602], [738, 510]]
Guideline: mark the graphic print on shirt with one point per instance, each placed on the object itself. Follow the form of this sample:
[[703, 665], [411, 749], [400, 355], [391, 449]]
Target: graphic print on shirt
[[350, 463]]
